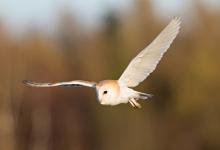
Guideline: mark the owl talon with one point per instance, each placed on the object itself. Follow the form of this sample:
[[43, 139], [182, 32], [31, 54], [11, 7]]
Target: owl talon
[[134, 103]]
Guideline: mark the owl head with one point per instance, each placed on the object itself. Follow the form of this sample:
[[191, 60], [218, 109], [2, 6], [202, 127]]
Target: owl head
[[107, 91]]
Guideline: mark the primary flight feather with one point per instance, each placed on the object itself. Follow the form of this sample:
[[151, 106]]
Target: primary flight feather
[[146, 61], [113, 92]]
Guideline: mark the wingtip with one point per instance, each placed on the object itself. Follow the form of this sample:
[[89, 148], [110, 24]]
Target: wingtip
[[26, 82], [177, 20]]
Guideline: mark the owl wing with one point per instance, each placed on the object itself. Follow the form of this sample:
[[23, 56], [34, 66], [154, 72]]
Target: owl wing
[[76, 83], [146, 61]]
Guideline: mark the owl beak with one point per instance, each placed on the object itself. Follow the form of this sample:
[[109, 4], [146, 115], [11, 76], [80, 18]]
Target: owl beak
[[100, 99], [98, 95]]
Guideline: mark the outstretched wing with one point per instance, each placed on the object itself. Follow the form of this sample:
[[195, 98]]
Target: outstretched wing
[[146, 61], [76, 83]]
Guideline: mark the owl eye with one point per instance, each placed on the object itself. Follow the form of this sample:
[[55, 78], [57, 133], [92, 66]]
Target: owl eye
[[105, 92]]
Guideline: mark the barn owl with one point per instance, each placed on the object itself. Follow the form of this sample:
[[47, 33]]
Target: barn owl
[[114, 92]]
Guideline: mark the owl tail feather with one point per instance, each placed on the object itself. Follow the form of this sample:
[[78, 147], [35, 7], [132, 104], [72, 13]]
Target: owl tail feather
[[144, 95]]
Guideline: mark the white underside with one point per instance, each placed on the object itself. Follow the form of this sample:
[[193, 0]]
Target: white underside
[[125, 95]]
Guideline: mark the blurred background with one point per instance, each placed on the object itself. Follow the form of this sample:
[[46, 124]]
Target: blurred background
[[61, 40]]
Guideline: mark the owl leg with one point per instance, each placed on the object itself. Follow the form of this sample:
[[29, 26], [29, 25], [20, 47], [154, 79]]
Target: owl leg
[[134, 103]]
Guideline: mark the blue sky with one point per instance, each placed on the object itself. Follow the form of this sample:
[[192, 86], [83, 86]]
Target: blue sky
[[18, 14]]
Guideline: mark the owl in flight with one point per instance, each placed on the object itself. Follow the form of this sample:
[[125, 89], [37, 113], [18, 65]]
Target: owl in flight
[[114, 92]]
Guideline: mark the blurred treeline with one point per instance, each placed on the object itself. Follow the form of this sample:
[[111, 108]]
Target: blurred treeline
[[184, 114]]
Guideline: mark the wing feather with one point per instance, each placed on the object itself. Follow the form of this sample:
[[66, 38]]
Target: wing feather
[[146, 61], [76, 83]]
